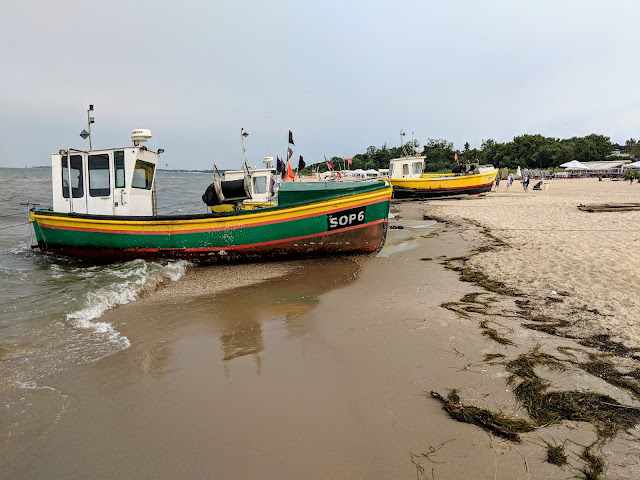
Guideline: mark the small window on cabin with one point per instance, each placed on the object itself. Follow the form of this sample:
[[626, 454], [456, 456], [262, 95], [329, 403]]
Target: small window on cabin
[[99, 184], [390, 170], [405, 169], [417, 167], [118, 164], [143, 175], [77, 184], [260, 184]]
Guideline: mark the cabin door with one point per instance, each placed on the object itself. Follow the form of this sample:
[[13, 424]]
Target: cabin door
[[74, 177], [99, 199], [120, 196]]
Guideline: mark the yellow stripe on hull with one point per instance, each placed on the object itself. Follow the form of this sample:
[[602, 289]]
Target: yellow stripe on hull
[[245, 218], [442, 182]]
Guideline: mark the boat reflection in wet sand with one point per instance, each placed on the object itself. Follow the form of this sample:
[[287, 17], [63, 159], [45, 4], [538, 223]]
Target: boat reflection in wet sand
[[109, 214], [408, 181]]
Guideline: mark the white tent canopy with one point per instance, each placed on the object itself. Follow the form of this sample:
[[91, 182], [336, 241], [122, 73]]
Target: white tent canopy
[[371, 170], [574, 165], [631, 165], [358, 171]]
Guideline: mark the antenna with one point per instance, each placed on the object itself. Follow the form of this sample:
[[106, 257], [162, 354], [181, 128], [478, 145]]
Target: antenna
[[402, 134], [244, 134], [84, 134]]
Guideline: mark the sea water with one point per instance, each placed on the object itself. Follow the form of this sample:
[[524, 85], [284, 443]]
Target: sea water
[[50, 306]]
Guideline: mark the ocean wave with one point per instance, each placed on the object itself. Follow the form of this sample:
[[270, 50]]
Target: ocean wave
[[118, 285]]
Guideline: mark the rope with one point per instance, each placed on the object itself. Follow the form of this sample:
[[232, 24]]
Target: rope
[[13, 214], [16, 225]]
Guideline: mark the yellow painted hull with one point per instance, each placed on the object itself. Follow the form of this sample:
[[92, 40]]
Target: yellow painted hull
[[442, 185]]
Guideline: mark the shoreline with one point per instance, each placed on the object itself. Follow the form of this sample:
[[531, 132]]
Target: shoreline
[[324, 371]]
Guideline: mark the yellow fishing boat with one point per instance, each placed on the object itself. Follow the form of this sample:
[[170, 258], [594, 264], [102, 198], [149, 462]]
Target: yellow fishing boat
[[408, 181]]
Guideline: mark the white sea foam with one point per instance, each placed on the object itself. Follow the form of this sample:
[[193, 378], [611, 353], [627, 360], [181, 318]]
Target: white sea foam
[[20, 248], [120, 285], [31, 385]]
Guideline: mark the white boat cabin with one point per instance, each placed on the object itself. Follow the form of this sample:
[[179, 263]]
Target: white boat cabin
[[413, 167], [406, 167], [114, 181], [260, 181]]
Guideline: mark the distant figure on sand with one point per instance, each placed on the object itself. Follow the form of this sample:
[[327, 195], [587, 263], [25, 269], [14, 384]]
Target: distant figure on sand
[[631, 178], [509, 181], [525, 183], [497, 183]]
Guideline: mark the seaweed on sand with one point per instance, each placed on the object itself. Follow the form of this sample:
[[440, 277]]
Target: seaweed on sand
[[598, 366], [556, 455], [496, 423], [602, 411], [470, 275], [493, 334], [488, 357], [594, 465], [604, 343]]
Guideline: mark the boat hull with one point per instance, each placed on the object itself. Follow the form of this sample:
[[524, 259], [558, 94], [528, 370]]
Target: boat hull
[[433, 186], [355, 224]]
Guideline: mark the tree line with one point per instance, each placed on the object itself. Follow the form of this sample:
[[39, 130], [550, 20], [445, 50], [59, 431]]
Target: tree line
[[535, 152]]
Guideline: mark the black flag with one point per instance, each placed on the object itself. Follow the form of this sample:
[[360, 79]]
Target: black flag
[[291, 138], [289, 154], [301, 163], [278, 164], [284, 170]]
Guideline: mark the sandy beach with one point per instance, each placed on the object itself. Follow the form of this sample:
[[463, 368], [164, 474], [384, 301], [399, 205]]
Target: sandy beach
[[322, 369], [589, 258]]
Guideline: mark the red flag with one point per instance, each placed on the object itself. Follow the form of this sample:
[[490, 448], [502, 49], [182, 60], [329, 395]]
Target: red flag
[[290, 171], [455, 157], [330, 165], [349, 160]]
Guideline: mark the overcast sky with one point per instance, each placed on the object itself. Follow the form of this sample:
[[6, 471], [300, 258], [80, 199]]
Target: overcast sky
[[342, 75]]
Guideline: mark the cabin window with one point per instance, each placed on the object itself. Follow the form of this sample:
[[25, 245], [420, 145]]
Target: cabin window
[[118, 167], [99, 184], [77, 185], [143, 175], [260, 184], [405, 169], [390, 170], [417, 167]]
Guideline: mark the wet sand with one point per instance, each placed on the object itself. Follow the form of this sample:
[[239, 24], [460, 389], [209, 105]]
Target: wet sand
[[321, 370]]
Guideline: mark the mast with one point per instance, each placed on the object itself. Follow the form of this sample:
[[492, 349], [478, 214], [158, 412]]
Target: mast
[[244, 134], [90, 120]]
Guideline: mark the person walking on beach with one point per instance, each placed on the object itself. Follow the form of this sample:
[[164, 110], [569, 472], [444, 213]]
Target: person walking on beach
[[525, 182], [509, 181], [497, 182]]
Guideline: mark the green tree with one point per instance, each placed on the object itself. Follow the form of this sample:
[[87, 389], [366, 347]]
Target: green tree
[[632, 147], [439, 153]]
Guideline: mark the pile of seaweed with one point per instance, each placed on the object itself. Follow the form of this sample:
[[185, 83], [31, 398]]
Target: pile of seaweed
[[545, 408], [607, 415]]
